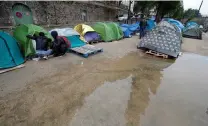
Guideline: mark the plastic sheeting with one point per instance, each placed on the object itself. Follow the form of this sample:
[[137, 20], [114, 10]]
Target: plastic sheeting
[[150, 24], [126, 32], [65, 31], [177, 23]]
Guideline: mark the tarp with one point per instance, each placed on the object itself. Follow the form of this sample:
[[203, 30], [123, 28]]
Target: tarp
[[126, 32], [26, 44], [132, 27], [192, 31], [65, 31], [177, 23], [150, 24], [165, 38], [106, 33], [10, 52], [86, 32], [116, 30]]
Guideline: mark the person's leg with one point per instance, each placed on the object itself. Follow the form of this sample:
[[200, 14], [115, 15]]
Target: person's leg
[[140, 33], [63, 49], [43, 53]]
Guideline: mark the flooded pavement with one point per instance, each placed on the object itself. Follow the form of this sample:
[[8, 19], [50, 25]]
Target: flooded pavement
[[136, 90], [181, 97]]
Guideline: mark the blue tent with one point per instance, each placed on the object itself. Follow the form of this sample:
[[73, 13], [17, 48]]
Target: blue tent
[[177, 23], [75, 41], [10, 52], [126, 32], [191, 23]]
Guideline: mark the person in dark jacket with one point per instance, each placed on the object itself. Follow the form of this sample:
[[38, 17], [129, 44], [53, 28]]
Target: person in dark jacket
[[42, 44], [59, 46], [142, 24]]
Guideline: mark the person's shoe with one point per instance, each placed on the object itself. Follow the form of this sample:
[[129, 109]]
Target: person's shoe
[[36, 59], [45, 57]]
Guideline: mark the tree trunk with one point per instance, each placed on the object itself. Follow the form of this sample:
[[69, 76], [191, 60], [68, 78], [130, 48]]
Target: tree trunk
[[157, 18]]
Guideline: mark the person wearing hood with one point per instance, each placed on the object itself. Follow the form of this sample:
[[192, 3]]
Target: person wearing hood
[[59, 45]]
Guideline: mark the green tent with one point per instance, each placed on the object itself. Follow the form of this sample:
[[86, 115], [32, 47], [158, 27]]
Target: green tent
[[116, 29], [10, 52], [192, 32], [22, 31], [106, 32]]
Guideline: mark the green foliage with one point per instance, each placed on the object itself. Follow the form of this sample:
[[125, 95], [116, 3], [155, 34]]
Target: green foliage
[[143, 6], [191, 13], [168, 8]]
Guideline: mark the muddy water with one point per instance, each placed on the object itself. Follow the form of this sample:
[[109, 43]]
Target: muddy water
[[134, 90]]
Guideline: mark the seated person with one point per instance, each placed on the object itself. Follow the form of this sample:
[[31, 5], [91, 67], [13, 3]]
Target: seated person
[[42, 44], [59, 45]]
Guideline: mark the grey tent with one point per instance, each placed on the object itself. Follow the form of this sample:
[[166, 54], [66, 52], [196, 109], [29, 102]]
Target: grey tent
[[192, 31], [164, 38]]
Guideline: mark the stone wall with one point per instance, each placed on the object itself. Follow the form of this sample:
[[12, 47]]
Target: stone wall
[[59, 12]]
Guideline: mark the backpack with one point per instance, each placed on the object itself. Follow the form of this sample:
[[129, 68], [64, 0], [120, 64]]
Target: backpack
[[65, 41]]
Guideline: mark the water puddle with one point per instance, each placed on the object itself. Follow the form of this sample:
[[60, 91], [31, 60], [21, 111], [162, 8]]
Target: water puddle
[[158, 93], [136, 90], [106, 105], [181, 98]]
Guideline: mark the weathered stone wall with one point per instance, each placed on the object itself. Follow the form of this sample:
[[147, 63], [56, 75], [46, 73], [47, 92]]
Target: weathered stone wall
[[58, 12]]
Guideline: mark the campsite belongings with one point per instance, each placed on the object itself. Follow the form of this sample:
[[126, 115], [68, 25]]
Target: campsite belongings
[[26, 44], [78, 46], [131, 29], [192, 30], [108, 31], [87, 33], [163, 39], [10, 53], [150, 24], [126, 32]]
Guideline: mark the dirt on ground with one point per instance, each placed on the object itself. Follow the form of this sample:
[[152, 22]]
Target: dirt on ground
[[50, 92]]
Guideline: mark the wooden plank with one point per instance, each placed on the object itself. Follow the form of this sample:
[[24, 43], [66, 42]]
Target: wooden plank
[[13, 68], [86, 50], [152, 52]]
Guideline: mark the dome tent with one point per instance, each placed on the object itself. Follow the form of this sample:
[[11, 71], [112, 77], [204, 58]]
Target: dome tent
[[26, 44], [72, 35], [192, 31], [106, 33], [118, 33], [164, 38], [10, 52], [87, 33]]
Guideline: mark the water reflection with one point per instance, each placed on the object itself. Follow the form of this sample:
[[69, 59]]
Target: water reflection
[[181, 98], [121, 100]]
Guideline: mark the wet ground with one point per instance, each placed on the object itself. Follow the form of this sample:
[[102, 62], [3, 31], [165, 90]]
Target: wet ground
[[121, 87]]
